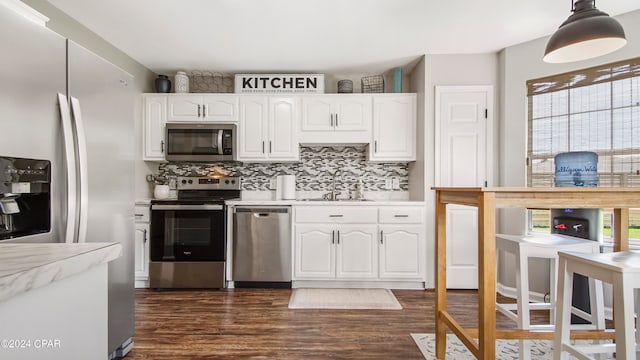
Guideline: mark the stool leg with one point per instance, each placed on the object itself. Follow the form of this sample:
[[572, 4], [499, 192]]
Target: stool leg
[[623, 317], [522, 286], [596, 302], [563, 310], [553, 284]]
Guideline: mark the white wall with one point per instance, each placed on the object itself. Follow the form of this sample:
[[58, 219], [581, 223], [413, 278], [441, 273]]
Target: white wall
[[518, 64], [143, 77], [474, 69]]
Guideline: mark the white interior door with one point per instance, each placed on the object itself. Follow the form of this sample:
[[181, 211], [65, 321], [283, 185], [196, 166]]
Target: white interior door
[[463, 128]]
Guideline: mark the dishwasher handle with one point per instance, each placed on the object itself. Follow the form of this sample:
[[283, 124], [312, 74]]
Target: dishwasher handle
[[262, 211]]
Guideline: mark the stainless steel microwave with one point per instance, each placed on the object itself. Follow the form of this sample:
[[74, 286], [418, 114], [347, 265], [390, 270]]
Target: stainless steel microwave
[[200, 142]]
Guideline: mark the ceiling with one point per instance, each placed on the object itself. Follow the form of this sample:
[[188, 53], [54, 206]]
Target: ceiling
[[333, 36]]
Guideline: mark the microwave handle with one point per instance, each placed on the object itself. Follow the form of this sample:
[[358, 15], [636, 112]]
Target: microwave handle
[[220, 147]]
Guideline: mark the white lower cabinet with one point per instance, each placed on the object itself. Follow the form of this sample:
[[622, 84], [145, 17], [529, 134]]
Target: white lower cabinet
[[328, 251], [359, 243], [402, 252], [141, 262]]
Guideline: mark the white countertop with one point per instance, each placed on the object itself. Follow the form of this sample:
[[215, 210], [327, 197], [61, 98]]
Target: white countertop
[[24, 267], [324, 203]]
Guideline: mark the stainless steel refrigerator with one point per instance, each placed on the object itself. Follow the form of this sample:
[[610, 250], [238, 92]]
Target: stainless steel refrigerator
[[62, 103]]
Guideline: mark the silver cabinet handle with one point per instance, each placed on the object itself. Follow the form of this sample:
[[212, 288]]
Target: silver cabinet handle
[[381, 237], [270, 147], [336, 120], [375, 146], [336, 215], [139, 215], [338, 237], [198, 110], [161, 146], [331, 120], [401, 216], [204, 111], [263, 147], [333, 236]]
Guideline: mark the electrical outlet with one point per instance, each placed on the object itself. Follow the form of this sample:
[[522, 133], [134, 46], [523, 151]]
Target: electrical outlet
[[387, 184], [395, 183]]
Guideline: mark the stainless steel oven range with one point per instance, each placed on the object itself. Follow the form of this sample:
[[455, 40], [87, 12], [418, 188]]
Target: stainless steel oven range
[[188, 234]]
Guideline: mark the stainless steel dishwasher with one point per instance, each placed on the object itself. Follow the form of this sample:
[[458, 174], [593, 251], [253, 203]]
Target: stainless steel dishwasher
[[262, 246]]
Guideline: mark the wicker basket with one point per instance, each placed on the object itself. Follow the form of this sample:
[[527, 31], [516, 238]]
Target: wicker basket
[[372, 84]]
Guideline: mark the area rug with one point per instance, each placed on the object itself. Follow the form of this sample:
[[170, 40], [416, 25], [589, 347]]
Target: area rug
[[505, 349], [376, 299]]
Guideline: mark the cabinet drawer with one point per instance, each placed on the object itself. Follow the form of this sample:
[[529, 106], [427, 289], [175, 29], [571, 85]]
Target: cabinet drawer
[[401, 215], [141, 214], [336, 214]]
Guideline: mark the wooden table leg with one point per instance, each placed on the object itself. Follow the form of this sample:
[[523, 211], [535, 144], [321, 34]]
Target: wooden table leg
[[620, 229], [441, 276], [487, 275]]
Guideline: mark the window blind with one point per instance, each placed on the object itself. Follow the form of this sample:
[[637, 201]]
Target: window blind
[[595, 109]]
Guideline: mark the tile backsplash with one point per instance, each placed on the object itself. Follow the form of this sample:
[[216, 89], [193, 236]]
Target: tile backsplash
[[314, 172]]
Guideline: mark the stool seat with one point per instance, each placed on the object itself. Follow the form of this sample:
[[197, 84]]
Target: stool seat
[[622, 271], [546, 246]]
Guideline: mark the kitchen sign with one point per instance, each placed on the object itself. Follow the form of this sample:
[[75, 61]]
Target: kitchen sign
[[279, 83]]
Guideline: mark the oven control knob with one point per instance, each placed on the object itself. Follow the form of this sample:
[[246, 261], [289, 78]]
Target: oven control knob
[[190, 181], [233, 181], [226, 181], [184, 181]]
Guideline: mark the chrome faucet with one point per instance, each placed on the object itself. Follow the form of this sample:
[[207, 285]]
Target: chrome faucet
[[334, 193]]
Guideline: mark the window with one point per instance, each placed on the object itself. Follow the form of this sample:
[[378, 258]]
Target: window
[[595, 109]]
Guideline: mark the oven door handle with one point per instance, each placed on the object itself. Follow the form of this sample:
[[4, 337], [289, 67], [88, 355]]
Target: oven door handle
[[186, 207]]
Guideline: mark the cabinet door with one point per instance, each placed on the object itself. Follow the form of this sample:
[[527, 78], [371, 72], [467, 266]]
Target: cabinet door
[[314, 252], [352, 113], [317, 113], [252, 142], [223, 108], [394, 128], [141, 263], [283, 140], [155, 118], [185, 108], [402, 252], [356, 252]]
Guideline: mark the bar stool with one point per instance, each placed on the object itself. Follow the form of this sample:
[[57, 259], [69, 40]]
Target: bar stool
[[544, 246], [620, 269]]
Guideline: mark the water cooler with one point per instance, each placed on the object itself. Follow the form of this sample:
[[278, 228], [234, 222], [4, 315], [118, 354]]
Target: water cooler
[[579, 168]]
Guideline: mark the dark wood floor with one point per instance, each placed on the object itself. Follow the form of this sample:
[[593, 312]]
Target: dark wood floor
[[256, 324]]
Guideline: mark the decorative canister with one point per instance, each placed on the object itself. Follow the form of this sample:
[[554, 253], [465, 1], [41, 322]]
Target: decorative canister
[[345, 86], [182, 82], [161, 191], [163, 84]]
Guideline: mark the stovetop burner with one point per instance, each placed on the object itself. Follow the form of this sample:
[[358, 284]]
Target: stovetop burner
[[205, 190]]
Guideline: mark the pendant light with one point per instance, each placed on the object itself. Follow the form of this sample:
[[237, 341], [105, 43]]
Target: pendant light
[[586, 34]]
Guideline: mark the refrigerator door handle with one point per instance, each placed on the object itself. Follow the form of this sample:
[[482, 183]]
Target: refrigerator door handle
[[81, 140], [70, 157]]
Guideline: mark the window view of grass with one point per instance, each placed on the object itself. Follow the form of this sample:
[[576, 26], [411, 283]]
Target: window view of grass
[[540, 222]]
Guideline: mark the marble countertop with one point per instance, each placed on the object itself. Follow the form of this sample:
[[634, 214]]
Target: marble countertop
[[24, 267]]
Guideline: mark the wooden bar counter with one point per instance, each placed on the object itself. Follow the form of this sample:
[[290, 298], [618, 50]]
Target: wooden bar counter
[[487, 200]]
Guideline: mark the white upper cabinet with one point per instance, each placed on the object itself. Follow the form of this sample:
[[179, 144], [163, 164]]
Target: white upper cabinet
[[193, 107], [394, 128], [267, 129], [155, 118], [335, 118]]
